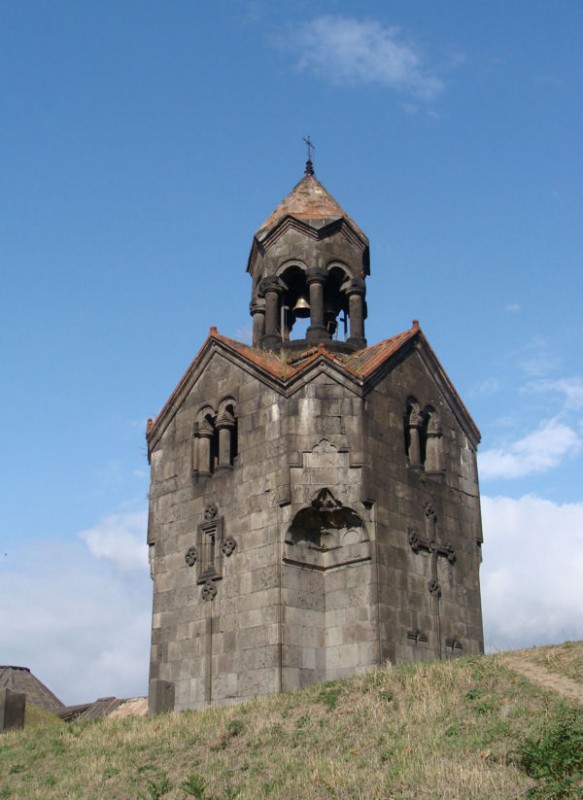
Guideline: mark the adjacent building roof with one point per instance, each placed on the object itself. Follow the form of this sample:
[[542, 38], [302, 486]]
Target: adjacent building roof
[[21, 679], [309, 201]]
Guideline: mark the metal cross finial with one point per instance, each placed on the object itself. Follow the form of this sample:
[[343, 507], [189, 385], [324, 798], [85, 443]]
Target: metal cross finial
[[309, 163]]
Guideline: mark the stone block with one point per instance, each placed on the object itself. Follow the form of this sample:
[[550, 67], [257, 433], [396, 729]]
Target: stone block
[[257, 682], [161, 697], [12, 710]]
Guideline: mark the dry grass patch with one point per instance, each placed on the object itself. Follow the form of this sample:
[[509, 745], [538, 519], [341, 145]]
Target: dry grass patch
[[565, 660], [444, 730]]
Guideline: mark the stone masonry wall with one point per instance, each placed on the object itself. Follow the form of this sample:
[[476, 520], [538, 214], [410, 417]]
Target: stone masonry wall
[[416, 622], [317, 576]]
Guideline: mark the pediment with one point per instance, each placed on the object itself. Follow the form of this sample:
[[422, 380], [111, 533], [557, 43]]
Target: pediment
[[359, 373]]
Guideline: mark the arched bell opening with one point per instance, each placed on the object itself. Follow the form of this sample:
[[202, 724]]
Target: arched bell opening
[[313, 306], [295, 304], [336, 310]]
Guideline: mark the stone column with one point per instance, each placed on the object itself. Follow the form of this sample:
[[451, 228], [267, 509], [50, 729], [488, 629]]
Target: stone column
[[317, 331], [355, 292], [204, 434], [272, 290], [258, 313], [432, 446], [414, 424], [225, 424]]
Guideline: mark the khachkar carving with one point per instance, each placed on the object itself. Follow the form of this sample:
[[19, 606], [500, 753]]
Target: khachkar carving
[[431, 545], [211, 548]]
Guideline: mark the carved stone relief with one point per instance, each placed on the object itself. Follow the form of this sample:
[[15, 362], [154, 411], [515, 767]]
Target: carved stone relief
[[326, 534], [211, 548], [191, 556], [417, 636]]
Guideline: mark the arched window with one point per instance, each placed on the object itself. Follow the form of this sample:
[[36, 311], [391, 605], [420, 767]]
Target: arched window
[[423, 437], [295, 303], [215, 438]]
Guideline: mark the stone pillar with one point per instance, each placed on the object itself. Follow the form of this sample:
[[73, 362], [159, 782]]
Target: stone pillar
[[317, 331], [225, 424], [272, 290], [432, 446], [258, 313], [414, 424], [12, 710], [203, 448], [355, 292], [161, 697]]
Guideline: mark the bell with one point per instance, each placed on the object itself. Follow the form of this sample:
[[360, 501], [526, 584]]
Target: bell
[[302, 308]]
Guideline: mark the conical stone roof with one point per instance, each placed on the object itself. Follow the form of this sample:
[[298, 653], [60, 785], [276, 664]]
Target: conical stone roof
[[21, 679], [309, 201]]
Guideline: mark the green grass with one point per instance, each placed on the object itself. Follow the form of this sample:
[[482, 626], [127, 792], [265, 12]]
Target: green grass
[[470, 728]]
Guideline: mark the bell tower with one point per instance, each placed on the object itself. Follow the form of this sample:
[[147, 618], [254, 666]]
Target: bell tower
[[309, 260], [314, 502]]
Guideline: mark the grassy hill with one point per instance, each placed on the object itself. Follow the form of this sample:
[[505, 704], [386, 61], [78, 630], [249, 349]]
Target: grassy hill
[[469, 728]]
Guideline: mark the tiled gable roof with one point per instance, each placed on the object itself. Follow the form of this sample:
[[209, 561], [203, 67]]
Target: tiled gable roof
[[286, 365]]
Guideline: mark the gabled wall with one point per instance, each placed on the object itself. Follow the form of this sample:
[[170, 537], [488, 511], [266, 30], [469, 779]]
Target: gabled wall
[[310, 556], [417, 511]]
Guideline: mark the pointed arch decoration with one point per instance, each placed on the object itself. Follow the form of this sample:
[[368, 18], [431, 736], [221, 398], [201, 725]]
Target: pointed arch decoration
[[326, 534]]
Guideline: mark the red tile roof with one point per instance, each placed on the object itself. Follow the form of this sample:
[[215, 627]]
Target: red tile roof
[[285, 365], [364, 362]]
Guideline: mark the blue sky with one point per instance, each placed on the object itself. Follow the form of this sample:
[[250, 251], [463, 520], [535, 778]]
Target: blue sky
[[141, 146]]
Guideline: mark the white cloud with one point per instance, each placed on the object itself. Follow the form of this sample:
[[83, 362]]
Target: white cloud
[[76, 619], [488, 387], [537, 358], [570, 388], [537, 452], [120, 539], [532, 592], [348, 51], [82, 624]]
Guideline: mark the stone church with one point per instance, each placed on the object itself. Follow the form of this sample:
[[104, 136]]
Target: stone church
[[314, 502]]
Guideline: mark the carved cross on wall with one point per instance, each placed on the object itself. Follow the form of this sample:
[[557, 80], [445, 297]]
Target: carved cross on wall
[[431, 545]]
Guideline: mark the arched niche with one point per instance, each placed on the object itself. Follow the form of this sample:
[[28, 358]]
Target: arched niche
[[326, 534]]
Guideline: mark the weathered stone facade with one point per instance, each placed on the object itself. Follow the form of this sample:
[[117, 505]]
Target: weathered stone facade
[[314, 504]]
